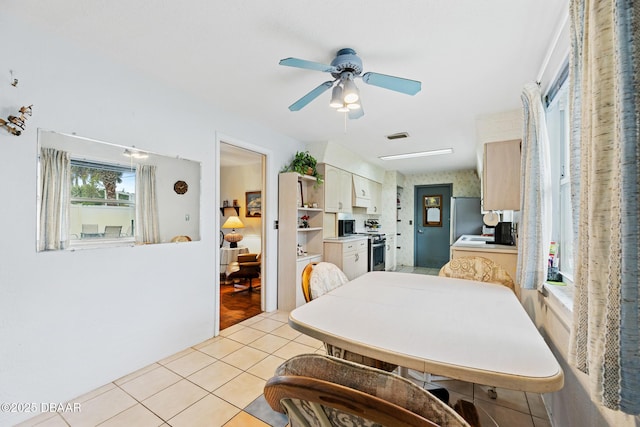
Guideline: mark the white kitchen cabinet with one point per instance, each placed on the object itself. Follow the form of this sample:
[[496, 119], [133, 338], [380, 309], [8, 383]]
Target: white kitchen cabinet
[[349, 255], [361, 192], [337, 189], [375, 207], [291, 236], [501, 176]]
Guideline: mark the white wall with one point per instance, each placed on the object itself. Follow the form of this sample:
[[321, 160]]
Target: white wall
[[572, 405], [73, 321]]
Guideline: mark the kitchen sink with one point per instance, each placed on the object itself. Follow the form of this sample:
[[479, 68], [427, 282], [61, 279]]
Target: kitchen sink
[[474, 240]]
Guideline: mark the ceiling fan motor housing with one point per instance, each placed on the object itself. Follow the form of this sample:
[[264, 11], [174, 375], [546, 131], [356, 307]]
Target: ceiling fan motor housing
[[346, 60]]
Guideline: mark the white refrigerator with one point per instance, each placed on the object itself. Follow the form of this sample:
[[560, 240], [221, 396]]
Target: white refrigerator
[[466, 217]]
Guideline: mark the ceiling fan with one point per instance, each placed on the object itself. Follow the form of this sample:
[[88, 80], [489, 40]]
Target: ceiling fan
[[345, 68]]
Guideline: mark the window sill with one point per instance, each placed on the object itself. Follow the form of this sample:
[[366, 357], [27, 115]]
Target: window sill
[[560, 299], [100, 243]]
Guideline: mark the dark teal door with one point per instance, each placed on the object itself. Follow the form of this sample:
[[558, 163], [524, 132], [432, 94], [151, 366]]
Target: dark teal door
[[431, 225]]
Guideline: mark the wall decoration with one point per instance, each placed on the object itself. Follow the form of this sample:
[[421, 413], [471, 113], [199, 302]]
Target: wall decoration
[[432, 211], [180, 187], [299, 197], [254, 204], [15, 124]]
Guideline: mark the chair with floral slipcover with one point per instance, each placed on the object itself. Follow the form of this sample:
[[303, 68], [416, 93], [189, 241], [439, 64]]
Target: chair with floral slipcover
[[318, 278], [317, 390], [482, 270], [477, 268]]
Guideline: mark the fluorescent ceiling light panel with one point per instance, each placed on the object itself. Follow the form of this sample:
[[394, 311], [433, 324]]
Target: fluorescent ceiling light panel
[[418, 154]]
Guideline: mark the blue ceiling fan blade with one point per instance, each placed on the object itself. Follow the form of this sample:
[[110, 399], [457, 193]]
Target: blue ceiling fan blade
[[309, 65], [302, 102], [356, 114], [410, 87]]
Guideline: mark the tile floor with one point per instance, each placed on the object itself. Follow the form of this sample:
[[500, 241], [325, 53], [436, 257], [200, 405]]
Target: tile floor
[[219, 382]]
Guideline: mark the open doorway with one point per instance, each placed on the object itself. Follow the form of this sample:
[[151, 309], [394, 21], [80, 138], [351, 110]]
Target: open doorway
[[242, 234]]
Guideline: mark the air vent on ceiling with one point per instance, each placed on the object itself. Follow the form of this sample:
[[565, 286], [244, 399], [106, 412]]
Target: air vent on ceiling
[[398, 135]]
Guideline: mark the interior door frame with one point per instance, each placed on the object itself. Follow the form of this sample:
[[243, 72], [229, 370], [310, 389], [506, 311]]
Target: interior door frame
[[268, 285]]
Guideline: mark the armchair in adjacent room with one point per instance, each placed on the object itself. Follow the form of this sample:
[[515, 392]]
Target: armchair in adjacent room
[[246, 268]]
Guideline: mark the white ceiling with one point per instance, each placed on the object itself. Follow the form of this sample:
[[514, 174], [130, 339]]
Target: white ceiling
[[472, 56]]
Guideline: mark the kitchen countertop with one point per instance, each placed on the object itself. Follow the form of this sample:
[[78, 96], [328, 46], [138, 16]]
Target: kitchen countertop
[[349, 238], [478, 243]]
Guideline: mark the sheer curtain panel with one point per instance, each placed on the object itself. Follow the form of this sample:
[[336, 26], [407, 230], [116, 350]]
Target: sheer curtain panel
[[605, 129], [534, 230], [147, 230], [55, 195]]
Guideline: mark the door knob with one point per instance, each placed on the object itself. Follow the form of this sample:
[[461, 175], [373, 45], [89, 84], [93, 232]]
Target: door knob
[[420, 231]]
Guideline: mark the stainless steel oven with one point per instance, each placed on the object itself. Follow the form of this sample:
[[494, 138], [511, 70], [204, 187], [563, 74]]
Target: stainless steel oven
[[377, 251]]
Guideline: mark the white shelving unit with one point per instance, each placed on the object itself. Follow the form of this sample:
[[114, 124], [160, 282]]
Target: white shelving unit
[[293, 190]]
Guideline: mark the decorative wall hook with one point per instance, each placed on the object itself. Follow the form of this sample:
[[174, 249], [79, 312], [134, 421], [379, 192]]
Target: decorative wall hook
[[15, 124]]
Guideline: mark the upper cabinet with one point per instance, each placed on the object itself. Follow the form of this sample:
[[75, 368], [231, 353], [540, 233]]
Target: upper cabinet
[[361, 192], [501, 176], [337, 189], [375, 207]]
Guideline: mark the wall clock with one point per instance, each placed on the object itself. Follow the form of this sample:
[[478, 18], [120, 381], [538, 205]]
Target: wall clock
[[180, 187]]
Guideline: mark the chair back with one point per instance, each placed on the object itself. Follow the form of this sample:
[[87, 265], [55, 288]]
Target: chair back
[[90, 228], [112, 230], [322, 390], [477, 268], [318, 278]]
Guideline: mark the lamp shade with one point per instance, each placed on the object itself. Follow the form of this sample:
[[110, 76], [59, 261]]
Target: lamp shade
[[350, 92], [233, 238], [233, 222], [336, 97]]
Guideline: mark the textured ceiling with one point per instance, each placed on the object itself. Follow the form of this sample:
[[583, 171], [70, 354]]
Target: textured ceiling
[[472, 56]]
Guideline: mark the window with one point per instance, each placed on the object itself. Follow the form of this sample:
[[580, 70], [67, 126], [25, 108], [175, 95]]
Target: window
[[557, 115], [102, 201]]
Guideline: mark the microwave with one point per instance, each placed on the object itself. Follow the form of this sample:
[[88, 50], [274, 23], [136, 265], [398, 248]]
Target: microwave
[[346, 227]]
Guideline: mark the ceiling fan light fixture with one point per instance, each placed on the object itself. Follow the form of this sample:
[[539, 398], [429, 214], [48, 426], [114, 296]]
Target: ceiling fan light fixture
[[350, 92], [343, 109], [354, 106], [336, 97]]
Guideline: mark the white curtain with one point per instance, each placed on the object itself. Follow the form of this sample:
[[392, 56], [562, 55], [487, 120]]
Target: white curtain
[[55, 195], [534, 230], [605, 180], [147, 230]]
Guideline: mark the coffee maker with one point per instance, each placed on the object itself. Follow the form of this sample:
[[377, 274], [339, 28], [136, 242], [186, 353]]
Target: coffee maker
[[503, 234]]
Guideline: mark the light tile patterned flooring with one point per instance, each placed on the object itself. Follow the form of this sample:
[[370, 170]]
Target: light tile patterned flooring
[[219, 382]]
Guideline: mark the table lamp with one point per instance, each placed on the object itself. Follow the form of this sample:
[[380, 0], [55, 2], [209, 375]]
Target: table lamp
[[233, 238]]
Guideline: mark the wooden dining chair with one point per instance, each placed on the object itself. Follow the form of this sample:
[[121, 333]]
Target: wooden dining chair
[[317, 390], [318, 278]]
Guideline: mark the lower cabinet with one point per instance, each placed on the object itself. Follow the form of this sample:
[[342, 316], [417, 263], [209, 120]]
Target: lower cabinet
[[350, 256]]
